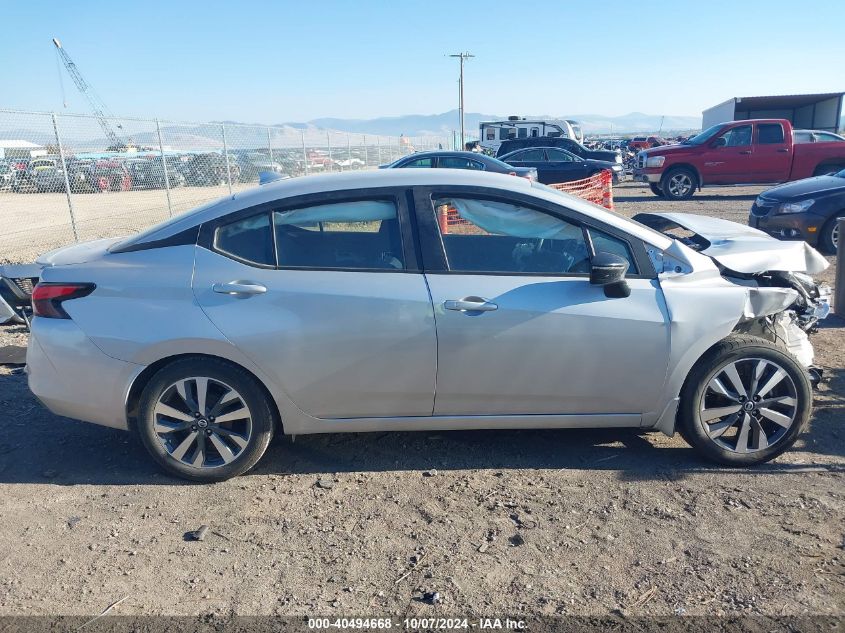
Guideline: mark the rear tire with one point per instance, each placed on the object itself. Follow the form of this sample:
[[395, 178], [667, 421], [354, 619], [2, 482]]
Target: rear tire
[[656, 190], [745, 402], [204, 419], [679, 184]]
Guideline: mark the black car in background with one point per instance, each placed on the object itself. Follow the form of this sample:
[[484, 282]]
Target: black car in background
[[555, 165], [460, 160], [570, 145], [803, 210]]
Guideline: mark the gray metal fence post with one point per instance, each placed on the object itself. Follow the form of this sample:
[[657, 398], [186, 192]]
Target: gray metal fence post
[[304, 153], [164, 165], [226, 155], [67, 180], [331, 160], [378, 145], [839, 282], [366, 153], [348, 151], [270, 146]]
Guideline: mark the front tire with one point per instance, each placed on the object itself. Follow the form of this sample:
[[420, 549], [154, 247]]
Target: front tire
[[829, 237], [204, 419], [679, 184], [656, 190], [745, 402]]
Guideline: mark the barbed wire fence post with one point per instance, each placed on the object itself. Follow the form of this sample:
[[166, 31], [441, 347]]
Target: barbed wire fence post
[[60, 147], [226, 156], [304, 152], [329, 142], [366, 152], [270, 148], [164, 167]]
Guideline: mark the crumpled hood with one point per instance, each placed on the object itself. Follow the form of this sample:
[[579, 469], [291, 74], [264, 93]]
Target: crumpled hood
[[77, 253], [738, 247]]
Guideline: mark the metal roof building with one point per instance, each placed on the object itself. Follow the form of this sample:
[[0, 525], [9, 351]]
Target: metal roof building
[[814, 112]]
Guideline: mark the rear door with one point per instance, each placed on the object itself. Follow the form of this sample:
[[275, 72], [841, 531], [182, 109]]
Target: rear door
[[772, 153], [324, 293], [728, 157]]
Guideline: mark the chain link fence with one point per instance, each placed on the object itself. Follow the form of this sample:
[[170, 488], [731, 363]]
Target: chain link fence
[[68, 178]]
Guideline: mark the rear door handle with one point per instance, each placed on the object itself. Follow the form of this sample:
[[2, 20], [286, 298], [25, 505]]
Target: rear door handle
[[240, 288], [748, 151], [470, 304]]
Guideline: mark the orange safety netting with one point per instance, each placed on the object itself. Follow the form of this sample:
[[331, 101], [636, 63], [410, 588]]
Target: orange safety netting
[[597, 188]]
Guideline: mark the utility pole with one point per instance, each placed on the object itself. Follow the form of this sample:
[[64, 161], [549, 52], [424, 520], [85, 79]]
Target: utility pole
[[461, 57]]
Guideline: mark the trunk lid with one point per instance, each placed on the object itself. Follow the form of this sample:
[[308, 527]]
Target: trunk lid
[[77, 253]]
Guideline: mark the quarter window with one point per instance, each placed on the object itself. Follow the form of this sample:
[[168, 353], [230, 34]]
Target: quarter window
[[355, 235], [250, 240]]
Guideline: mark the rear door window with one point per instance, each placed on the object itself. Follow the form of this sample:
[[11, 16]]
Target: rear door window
[[769, 133], [356, 235]]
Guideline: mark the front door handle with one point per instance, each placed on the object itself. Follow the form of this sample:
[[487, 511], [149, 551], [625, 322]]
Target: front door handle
[[470, 304], [784, 150], [240, 288], [748, 151]]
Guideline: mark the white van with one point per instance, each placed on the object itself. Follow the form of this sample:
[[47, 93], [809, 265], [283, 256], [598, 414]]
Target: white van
[[492, 133]]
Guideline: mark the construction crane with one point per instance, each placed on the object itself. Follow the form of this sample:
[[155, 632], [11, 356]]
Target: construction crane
[[101, 112]]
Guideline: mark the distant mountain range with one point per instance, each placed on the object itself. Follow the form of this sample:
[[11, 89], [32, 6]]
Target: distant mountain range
[[444, 124]]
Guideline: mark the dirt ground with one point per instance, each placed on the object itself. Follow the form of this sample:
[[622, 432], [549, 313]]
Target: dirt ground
[[524, 523]]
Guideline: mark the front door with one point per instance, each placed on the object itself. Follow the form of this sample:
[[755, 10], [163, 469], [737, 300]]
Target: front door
[[520, 328], [728, 157], [323, 298]]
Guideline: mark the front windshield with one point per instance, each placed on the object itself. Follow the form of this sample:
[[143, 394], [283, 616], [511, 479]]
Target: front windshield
[[704, 136]]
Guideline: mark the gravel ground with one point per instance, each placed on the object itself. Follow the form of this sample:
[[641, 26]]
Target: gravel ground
[[514, 522]]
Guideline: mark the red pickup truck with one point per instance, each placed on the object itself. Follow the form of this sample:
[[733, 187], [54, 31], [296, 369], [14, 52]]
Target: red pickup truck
[[756, 151]]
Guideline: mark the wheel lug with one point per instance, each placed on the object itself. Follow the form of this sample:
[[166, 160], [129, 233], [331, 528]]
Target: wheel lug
[[208, 432], [193, 427], [196, 414]]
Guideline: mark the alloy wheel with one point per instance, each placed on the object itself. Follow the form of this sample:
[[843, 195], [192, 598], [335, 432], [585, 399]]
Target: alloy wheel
[[680, 185], [834, 235], [748, 405], [202, 422]]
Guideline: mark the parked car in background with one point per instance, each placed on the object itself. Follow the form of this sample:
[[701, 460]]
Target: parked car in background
[[803, 210], [556, 165], [446, 159], [148, 173], [815, 136], [6, 176], [571, 146], [644, 142], [210, 169], [279, 310], [27, 171], [755, 151]]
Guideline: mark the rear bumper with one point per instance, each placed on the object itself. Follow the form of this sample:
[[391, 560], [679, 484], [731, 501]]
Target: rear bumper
[[73, 378]]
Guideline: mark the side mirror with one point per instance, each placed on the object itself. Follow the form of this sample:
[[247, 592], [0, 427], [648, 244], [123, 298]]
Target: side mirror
[[719, 142], [608, 270]]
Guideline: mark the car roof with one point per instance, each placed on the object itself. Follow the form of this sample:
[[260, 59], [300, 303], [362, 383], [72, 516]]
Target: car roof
[[443, 152], [303, 185]]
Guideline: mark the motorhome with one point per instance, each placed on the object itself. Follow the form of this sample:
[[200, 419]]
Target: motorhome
[[492, 133]]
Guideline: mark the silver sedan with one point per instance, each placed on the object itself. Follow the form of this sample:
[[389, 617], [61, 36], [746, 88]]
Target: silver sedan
[[426, 300]]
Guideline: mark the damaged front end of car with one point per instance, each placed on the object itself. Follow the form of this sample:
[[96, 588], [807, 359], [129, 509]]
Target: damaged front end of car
[[782, 302]]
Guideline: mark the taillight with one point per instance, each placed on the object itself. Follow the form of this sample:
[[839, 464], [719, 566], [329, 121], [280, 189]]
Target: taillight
[[47, 298]]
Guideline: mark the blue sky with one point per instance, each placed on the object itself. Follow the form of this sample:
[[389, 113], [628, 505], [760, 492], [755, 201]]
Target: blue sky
[[271, 62]]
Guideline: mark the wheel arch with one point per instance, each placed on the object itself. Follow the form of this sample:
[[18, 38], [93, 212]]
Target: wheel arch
[[828, 163], [133, 398]]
